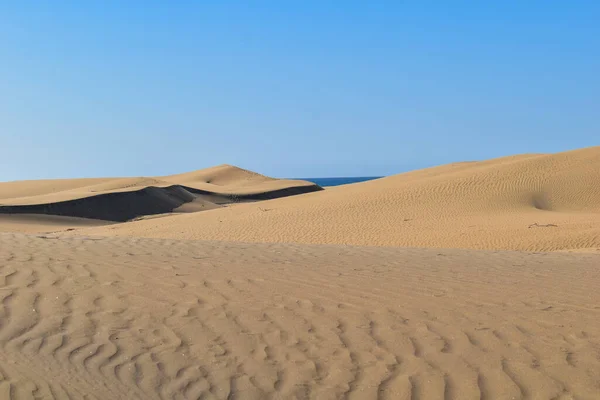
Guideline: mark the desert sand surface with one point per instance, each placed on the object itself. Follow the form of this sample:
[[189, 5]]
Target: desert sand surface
[[123, 199], [475, 280], [537, 202], [133, 318], [35, 223]]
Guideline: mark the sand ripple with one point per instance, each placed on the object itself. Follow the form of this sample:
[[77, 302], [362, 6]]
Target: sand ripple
[[110, 318]]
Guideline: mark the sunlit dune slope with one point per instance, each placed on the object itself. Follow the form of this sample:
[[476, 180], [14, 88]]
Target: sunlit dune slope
[[525, 202]]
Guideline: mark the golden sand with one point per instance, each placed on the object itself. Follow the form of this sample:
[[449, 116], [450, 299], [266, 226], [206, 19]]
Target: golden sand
[[186, 304]]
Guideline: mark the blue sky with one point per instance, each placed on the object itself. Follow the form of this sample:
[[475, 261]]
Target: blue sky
[[291, 88]]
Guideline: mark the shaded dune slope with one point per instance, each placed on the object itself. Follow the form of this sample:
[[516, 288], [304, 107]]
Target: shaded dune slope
[[119, 206], [122, 199], [524, 202]]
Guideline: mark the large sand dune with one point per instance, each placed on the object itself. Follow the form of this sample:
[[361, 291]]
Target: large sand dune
[[122, 199], [528, 202], [129, 318]]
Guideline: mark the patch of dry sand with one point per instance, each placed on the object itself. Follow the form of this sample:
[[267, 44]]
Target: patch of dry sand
[[130, 318], [34, 223], [532, 202]]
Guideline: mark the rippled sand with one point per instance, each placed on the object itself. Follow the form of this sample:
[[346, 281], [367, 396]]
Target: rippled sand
[[126, 318]]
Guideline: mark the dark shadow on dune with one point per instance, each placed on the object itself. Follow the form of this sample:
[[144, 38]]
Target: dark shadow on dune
[[540, 202], [219, 198], [124, 206]]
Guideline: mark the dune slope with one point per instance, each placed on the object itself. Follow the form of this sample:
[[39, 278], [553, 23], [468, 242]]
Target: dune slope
[[527, 202]]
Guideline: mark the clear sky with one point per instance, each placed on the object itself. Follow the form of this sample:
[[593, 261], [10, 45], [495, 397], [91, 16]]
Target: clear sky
[[291, 88]]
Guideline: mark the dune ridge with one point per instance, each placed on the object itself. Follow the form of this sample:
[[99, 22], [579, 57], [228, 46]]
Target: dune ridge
[[534, 202], [123, 199]]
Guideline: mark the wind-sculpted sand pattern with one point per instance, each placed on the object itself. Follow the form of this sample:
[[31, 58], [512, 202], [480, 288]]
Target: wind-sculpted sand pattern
[[126, 318]]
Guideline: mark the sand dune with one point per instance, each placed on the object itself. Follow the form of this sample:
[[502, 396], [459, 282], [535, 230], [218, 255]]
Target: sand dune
[[123, 199], [129, 318], [532, 202], [103, 313]]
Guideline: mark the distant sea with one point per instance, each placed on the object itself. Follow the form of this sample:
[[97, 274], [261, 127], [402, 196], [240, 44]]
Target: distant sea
[[339, 181]]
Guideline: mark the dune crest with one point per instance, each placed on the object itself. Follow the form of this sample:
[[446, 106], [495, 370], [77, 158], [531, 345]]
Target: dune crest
[[220, 175]]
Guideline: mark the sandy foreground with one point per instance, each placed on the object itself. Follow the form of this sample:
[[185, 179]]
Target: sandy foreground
[[126, 318], [475, 280]]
